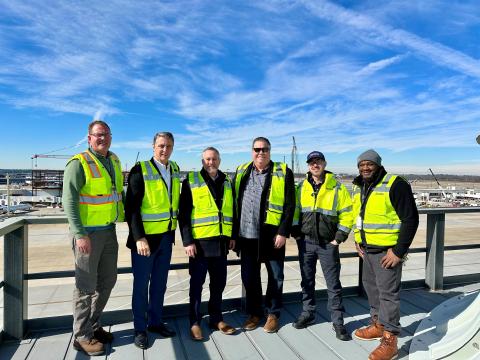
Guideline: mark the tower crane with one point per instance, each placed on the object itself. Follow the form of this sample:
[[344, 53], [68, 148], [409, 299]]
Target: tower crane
[[439, 186]]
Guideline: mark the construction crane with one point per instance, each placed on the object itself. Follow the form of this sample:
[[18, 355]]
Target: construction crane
[[439, 186], [49, 156], [295, 162]]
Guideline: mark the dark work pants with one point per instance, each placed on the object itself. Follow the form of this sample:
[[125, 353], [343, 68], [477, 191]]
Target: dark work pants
[[329, 257], [250, 269], [150, 275], [383, 290], [217, 271]]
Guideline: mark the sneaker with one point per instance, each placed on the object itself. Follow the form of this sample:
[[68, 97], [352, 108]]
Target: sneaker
[[271, 325], [305, 319], [223, 327], [91, 347], [103, 336], [196, 332], [341, 332], [387, 350], [251, 323], [141, 339], [374, 331], [162, 329]]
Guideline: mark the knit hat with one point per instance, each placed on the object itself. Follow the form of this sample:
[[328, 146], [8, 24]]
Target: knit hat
[[315, 155], [370, 155]]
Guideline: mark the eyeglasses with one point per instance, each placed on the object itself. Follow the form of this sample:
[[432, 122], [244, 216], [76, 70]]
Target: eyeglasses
[[315, 162], [101, 135], [262, 149]]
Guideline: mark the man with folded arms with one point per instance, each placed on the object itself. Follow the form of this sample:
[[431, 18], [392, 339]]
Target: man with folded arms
[[206, 216]]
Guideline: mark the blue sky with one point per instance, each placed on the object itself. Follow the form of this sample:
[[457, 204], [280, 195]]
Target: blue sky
[[402, 77]]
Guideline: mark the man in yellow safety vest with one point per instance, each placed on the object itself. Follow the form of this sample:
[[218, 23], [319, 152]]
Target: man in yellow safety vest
[[206, 218], [265, 200], [93, 201], [151, 208], [385, 223]]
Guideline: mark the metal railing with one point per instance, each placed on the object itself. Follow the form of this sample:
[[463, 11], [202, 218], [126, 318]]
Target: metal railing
[[16, 275]]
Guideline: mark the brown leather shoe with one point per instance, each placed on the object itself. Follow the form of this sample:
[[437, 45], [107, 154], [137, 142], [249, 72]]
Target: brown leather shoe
[[373, 331], [224, 328], [387, 350], [91, 347], [251, 323], [196, 332], [271, 324]]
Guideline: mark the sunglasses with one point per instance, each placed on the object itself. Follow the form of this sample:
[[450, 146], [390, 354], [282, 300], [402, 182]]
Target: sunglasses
[[262, 149]]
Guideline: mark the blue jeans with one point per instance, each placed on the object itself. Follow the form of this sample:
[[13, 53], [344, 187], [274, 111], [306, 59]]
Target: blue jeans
[[250, 269], [149, 284], [328, 254], [217, 270]]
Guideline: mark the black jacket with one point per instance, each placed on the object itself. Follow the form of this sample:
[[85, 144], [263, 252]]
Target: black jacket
[[133, 203], [403, 202], [268, 232], [214, 246]]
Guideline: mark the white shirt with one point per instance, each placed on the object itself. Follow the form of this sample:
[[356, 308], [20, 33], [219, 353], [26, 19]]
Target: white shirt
[[165, 173]]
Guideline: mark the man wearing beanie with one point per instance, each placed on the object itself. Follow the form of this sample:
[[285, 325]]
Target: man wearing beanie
[[385, 223], [323, 219]]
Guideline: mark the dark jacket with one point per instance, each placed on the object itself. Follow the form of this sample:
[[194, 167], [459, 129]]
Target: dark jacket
[[133, 203], [403, 202], [321, 228], [268, 232], [214, 246]]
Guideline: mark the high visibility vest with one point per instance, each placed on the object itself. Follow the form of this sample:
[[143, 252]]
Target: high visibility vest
[[159, 210], [276, 197], [333, 200], [380, 222], [100, 200], [207, 220]]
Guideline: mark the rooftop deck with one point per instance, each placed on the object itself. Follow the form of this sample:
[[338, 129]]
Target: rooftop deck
[[288, 343]]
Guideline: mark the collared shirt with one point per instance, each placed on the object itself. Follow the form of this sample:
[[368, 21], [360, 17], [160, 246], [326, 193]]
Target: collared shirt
[[165, 173], [250, 219]]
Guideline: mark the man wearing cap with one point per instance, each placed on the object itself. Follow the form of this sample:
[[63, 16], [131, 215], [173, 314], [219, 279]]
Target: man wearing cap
[[385, 223], [265, 199], [323, 219]]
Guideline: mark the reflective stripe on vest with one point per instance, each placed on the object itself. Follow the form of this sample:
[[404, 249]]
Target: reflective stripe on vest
[[100, 198], [206, 219], [276, 197], [381, 223], [159, 209]]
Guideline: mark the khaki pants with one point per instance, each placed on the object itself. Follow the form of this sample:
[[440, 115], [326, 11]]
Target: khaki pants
[[95, 276]]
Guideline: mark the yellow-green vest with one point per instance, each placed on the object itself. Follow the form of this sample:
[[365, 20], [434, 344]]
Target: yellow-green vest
[[207, 220], [100, 200], [380, 223], [276, 197], [159, 210], [333, 200]]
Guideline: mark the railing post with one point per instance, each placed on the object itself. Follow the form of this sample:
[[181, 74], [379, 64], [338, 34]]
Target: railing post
[[16, 287], [435, 251]]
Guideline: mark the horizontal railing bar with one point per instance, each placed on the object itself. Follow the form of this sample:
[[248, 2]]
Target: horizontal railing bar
[[184, 266]]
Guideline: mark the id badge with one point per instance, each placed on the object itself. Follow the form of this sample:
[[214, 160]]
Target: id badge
[[359, 223]]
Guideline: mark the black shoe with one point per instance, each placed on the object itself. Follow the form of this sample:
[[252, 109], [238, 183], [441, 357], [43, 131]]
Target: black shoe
[[304, 320], [105, 337], [341, 332], [141, 339], [162, 329]]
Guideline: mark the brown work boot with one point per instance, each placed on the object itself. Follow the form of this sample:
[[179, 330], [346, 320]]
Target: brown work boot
[[224, 328], [196, 332], [271, 325], [373, 331], [91, 347], [251, 323], [387, 350]]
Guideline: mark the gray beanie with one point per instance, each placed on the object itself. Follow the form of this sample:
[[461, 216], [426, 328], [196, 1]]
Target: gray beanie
[[370, 155]]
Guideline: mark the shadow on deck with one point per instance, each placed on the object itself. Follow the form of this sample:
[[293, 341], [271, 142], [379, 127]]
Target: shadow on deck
[[317, 341]]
